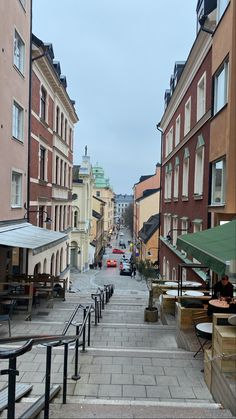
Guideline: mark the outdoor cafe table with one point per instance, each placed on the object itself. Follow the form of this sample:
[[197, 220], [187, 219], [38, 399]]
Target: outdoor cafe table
[[219, 304]]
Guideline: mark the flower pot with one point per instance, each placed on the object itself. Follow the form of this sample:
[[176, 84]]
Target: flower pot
[[151, 314]]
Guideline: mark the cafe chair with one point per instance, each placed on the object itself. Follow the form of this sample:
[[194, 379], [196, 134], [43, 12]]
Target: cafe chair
[[9, 306], [203, 329]]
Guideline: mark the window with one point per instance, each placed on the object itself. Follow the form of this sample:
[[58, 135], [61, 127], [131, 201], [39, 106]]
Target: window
[[221, 6], [185, 173], [184, 225], [221, 87], [16, 190], [98, 193], [177, 131], [197, 226], [57, 119], [218, 183], [168, 181], [75, 224], [201, 97], [19, 52], [176, 178], [43, 103], [17, 123], [175, 230], [199, 167], [66, 130], [62, 124], [169, 141], [42, 166], [70, 138], [57, 171], [187, 116]]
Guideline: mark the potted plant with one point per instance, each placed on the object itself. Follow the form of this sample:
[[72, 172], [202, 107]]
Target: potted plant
[[147, 271]]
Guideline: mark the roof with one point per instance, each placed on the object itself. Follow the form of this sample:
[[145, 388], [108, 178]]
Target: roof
[[27, 236], [149, 228], [147, 193], [214, 247]]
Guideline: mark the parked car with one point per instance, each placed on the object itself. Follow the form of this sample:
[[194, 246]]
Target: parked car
[[114, 250], [111, 263], [125, 268]]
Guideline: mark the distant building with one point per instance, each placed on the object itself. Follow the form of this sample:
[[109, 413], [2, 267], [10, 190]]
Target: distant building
[[81, 251], [120, 205], [103, 190]]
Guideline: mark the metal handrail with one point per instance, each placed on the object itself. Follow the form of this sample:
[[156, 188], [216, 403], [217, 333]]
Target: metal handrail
[[51, 341]]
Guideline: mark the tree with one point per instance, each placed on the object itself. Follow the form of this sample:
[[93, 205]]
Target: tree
[[147, 271], [128, 217]]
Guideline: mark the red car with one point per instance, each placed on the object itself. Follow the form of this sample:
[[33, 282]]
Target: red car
[[111, 263], [118, 251]]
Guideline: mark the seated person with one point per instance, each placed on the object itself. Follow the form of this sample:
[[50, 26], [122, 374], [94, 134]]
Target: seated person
[[223, 288]]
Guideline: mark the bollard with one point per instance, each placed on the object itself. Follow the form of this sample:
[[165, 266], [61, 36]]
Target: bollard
[[76, 375], [47, 382], [66, 346]]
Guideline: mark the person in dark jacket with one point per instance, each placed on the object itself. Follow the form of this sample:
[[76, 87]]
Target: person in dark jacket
[[223, 288]]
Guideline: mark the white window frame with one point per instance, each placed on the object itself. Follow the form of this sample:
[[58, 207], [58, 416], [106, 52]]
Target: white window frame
[[187, 116], [221, 193], [175, 230], [176, 182], [199, 171], [184, 226], [177, 130], [17, 121], [16, 189], [221, 7], [19, 52], [185, 177], [221, 82], [43, 90], [201, 97]]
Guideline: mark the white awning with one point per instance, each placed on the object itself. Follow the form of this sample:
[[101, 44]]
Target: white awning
[[27, 236]]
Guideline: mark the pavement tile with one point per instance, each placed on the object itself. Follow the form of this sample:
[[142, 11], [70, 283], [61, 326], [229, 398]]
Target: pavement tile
[[166, 380], [31, 377], [202, 392], [112, 369], [157, 392], [161, 362], [132, 369], [134, 391], [93, 369], [143, 361], [145, 380], [86, 389], [111, 390], [184, 392], [150, 370], [102, 360], [99, 378], [122, 379], [121, 360], [189, 381], [174, 371]]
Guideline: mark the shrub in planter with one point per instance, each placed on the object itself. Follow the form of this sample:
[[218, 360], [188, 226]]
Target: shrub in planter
[[147, 271]]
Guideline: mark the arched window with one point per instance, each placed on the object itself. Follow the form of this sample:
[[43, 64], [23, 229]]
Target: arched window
[[37, 269], [164, 267], [52, 268], [57, 263], [45, 266], [62, 125], [61, 260], [167, 270], [173, 274], [75, 223]]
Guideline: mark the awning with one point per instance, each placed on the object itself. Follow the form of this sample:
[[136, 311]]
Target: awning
[[215, 247], [27, 236]]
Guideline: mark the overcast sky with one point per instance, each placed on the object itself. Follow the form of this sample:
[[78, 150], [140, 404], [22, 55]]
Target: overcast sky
[[117, 56]]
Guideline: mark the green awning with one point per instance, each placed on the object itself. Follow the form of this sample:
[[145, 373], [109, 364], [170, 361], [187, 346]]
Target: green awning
[[215, 247]]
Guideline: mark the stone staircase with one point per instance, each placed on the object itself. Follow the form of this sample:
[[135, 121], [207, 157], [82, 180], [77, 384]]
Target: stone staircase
[[135, 370]]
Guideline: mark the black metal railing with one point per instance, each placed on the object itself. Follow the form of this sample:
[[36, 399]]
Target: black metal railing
[[83, 330]]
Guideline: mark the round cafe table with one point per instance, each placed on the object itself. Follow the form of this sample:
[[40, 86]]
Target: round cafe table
[[219, 304]]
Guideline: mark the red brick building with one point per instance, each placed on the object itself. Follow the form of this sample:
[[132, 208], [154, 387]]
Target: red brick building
[[51, 157]]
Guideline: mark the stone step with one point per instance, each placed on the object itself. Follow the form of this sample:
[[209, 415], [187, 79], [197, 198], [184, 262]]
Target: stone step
[[114, 409]]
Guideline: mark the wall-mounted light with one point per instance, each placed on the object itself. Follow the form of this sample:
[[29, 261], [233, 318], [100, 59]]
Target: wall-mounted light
[[39, 211], [169, 237]]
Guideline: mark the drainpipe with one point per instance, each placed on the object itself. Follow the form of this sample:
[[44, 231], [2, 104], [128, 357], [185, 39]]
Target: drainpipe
[[158, 127], [29, 128]]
